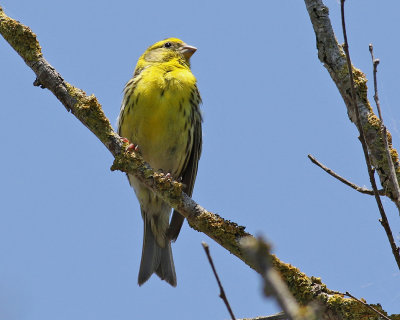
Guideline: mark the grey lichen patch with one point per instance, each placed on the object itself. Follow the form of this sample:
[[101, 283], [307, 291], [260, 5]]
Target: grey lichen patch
[[343, 72], [20, 37]]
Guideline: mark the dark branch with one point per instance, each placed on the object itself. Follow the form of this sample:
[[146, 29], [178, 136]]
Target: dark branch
[[222, 294]]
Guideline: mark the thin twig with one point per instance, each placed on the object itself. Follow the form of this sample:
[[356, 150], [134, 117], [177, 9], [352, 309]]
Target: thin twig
[[277, 316], [392, 172], [384, 221], [367, 305], [222, 294], [375, 63], [341, 179]]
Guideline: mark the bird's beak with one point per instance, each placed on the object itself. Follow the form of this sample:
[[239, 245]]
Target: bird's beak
[[187, 51]]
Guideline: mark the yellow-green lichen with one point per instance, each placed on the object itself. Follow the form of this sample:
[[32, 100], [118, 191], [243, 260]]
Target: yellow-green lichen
[[395, 157], [89, 111], [374, 134], [223, 231], [303, 288], [316, 280], [170, 189], [349, 309], [20, 37], [372, 122], [360, 83]]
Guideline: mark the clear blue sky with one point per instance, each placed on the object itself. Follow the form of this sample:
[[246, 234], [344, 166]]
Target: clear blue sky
[[70, 229]]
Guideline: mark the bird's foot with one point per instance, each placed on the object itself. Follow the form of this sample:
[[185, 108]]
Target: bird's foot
[[167, 175], [131, 147]]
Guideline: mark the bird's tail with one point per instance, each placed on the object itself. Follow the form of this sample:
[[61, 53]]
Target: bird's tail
[[156, 259]]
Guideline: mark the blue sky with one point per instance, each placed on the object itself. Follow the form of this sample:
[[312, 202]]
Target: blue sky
[[70, 229]]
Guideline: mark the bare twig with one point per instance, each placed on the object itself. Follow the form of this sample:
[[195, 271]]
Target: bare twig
[[222, 294], [384, 220], [392, 172], [277, 316], [341, 179], [375, 63], [367, 305]]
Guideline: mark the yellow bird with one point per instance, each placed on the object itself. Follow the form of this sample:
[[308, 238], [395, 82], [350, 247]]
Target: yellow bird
[[160, 114]]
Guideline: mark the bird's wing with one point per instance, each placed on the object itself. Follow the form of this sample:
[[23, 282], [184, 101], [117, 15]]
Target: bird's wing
[[188, 174], [128, 91]]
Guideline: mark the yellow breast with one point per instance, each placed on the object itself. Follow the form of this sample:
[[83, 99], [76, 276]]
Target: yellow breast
[[157, 116]]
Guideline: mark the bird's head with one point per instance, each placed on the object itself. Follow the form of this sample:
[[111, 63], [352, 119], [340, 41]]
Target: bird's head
[[167, 50]]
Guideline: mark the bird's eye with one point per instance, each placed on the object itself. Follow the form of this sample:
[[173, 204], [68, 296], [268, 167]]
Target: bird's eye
[[167, 44]]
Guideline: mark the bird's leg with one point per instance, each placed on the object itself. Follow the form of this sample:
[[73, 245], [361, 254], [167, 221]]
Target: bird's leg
[[131, 146]]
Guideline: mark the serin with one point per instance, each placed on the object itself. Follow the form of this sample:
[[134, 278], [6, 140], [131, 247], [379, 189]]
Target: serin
[[160, 114]]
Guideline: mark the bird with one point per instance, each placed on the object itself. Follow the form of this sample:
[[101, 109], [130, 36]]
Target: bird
[[160, 115]]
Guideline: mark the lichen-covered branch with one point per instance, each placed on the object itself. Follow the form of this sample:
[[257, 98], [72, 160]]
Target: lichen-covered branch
[[228, 234], [375, 148], [331, 54], [384, 221], [259, 252]]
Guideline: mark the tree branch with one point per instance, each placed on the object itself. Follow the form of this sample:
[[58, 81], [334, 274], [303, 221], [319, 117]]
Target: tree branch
[[336, 61], [392, 171], [368, 306], [331, 54], [227, 234]]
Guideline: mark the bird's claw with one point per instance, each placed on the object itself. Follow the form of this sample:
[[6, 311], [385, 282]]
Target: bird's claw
[[132, 147]]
